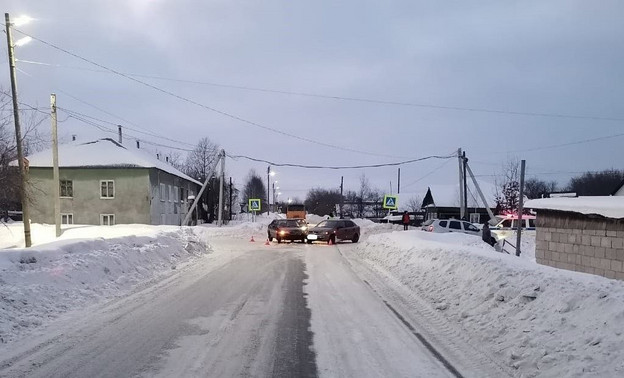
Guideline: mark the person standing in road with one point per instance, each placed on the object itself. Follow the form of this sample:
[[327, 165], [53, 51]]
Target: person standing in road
[[405, 220], [487, 235]]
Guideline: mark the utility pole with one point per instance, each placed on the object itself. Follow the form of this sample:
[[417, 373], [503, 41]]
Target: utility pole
[[55, 170], [464, 162], [399, 182], [520, 207], [461, 184], [18, 134], [268, 189], [341, 196], [221, 179], [230, 207]]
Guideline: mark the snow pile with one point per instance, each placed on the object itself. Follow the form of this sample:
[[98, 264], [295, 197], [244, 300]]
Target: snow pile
[[539, 320], [39, 283]]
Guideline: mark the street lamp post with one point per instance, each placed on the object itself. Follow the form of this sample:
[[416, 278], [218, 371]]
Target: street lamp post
[[18, 134]]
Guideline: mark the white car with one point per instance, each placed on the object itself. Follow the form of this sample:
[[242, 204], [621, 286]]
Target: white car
[[451, 225]]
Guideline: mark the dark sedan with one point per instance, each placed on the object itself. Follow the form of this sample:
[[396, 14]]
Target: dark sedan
[[332, 230], [287, 229]]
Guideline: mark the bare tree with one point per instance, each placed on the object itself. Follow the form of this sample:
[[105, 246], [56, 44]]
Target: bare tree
[[32, 141], [536, 188], [199, 161], [414, 203], [254, 188], [508, 186], [322, 201], [596, 183]]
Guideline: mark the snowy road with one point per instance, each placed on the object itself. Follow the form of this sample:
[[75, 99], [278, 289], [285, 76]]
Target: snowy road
[[242, 313]]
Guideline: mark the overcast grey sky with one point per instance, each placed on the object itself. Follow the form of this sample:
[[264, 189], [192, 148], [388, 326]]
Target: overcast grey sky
[[555, 57]]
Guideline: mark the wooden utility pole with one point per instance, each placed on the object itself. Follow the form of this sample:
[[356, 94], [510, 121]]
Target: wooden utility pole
[[221, 179], [269, 189], [464, 163], [230, 207], [461, 184], [56, 183], [18, 134], [341, 196], [520, 207]]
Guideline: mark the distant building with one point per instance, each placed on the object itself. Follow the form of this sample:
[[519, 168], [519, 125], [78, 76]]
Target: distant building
[[619, 191], [105, 183], [584, 234], [442, 202]]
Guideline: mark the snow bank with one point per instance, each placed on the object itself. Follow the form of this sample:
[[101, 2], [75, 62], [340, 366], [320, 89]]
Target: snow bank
[[539, 320], [39, 283]]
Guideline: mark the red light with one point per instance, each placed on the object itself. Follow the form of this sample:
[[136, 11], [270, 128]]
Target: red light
[[430, 228]]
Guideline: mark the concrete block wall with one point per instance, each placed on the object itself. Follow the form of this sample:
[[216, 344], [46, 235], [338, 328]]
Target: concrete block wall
[[589, 245]]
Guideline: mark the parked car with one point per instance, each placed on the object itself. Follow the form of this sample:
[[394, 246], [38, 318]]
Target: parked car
[[333, 230], [450, 225], [508, 224], [287, 229]]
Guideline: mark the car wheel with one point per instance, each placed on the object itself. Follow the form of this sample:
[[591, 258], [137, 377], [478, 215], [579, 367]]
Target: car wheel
[[279, 240], [309, 241], [355, 238]]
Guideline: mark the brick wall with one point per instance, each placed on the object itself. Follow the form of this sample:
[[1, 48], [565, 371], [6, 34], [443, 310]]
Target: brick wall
[[581, 243]]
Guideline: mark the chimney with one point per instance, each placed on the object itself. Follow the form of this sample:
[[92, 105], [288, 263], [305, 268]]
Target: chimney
[[167, 159], [120, 138], [138, 145], [74, 138], [157, 156]]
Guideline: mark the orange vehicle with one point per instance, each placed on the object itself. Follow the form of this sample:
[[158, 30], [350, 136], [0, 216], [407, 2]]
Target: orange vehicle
[[297, 211]]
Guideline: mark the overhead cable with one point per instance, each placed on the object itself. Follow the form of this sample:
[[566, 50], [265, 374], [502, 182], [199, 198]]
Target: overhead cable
[[341, 167]]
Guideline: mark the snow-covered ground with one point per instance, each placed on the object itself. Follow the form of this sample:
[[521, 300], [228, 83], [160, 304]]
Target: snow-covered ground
[[539, 320]]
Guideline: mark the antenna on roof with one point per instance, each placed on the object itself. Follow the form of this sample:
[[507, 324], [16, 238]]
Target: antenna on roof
[[73, 137], [138, 144], [120, 135]]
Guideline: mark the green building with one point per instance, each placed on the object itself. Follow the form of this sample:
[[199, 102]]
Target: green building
[[105, 183]]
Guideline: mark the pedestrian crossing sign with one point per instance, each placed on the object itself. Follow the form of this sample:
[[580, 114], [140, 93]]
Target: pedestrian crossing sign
[[254, 204], [391, 202]]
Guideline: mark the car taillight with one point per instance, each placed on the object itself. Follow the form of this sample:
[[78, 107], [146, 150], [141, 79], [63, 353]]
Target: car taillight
[[430, 228]]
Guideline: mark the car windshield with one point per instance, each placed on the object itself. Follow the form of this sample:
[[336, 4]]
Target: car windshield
[[289, 223], [328, 224]]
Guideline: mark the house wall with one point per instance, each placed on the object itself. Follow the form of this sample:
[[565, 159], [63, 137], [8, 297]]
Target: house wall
[[130, 204], [172, 206], [581, 243]]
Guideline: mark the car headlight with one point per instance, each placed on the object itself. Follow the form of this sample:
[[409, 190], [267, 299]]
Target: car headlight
[[282, 232], [304, 228]]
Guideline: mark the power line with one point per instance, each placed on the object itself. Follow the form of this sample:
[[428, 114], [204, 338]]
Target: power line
[[72, 112], [226, 114], [569, 143], [340, 167], [353, 99], [428, 174]]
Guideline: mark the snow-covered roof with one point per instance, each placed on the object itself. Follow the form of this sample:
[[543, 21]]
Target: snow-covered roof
[[102, 153], [607, 206], [448, 195]]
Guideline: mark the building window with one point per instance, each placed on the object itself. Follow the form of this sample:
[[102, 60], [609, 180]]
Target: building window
[[67, 188], [107, 189], [162, 192], [475, 218], [67, 218], [107, 219], [169, 194], [175, 194]]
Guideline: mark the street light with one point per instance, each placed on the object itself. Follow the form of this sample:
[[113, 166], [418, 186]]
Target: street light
[[18, 133]]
